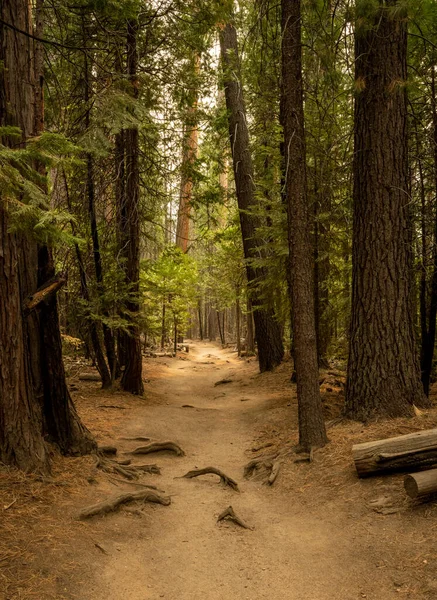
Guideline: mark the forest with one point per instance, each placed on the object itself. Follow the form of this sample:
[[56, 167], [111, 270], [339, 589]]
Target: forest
[[227, 207]]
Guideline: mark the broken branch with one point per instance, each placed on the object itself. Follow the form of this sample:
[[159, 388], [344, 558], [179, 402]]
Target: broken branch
[[43, 293]]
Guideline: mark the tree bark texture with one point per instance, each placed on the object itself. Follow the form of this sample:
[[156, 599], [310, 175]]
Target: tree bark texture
[[131, 380], [383, 371], [311, 424], [267, 330]]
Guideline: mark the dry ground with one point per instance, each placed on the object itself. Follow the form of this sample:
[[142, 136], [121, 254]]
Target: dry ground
[[316, 536]]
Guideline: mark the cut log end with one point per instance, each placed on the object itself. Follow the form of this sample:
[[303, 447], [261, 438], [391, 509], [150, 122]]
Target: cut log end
[[422, 484], [411, 486]]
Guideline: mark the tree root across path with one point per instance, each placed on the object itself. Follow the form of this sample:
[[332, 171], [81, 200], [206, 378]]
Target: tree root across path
[[124, 467], [268, 467], [114, 503], [230, 515], [223, 478], [159, 447]]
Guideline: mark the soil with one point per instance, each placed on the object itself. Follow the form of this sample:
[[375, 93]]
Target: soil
[[319, 533]]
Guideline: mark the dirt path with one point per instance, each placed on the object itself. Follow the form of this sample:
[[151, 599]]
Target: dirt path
[[296, 551]]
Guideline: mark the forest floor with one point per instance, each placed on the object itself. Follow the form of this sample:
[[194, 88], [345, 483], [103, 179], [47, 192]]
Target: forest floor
[[319, 533]]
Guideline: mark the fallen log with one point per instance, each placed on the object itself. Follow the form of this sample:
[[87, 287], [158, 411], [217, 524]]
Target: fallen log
[[225, 479], [159, 447], [422, 484], [89, 377], [230, 515], [113, 504], [402, 453]]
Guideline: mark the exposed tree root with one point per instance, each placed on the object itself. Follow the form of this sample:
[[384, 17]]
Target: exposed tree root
[[159, 447], [260, 467], [128, 471], [223, 478], [114, 503], [268, 467], [137, 439], [230, 515], [275, 471], [223, 381], [138, 483], [107, 450]]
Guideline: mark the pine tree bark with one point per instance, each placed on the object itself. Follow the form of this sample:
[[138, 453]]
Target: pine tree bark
[[131, 380], [383, 372], [267, 330], [311, 424]]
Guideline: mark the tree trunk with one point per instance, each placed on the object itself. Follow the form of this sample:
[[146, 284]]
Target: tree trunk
[[383, 371], [131, 380], [21, 442], [189, 155], [267, 330], [105, 374], [311, 424], [93, 331], [250, 337], [199, 313], [61, 423], [34, 399], [429, 332], [238, 322]]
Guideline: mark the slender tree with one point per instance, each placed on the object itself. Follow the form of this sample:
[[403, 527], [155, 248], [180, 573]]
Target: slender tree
[[131, 380], [383, 371], [311, 424], [267, 330]]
